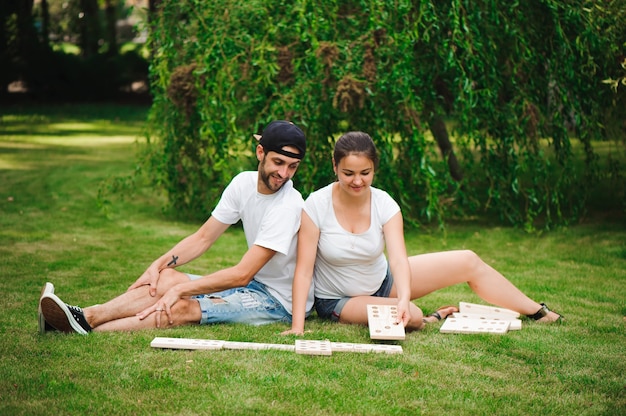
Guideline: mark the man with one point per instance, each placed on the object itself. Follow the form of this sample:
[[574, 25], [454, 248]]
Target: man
[[255, 291]]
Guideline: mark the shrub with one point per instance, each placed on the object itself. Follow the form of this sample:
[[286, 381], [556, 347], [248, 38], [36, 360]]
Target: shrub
[[519, 85]]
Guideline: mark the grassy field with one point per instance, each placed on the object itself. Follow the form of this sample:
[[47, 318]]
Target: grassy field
[[53, 162]]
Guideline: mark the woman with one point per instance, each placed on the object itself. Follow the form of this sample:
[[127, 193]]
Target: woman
[[345, 228]]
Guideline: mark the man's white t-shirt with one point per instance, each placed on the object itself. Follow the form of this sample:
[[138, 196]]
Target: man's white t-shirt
[[270, 221], [349, 264]]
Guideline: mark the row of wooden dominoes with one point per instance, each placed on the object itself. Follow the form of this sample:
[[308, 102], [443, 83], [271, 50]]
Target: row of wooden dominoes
[[481, 319], [471, 319], [309, 347]]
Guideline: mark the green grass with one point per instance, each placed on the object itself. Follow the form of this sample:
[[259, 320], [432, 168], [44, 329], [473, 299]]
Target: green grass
[[53, 161]]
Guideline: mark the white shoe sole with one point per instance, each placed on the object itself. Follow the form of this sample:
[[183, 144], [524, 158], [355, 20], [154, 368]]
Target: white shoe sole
[[47, 288], [58, 315]]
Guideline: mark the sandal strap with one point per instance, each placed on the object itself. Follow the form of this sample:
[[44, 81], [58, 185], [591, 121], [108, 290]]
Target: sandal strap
[[540, 313], [436, 315]]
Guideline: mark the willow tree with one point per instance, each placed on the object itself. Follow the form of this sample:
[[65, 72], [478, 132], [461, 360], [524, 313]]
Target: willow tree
[[518, 86]]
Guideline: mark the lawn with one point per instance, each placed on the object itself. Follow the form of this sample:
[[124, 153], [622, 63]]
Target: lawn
[[56, 161]]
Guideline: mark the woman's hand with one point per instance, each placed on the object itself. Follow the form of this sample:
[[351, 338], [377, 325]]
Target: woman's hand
[[404, 312], [294, 331]]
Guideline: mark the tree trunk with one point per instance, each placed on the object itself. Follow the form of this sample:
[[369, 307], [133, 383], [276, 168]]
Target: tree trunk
[[89, 27], [5, 70], [45, 23], [26, 34], [110, 11], [440, 133]]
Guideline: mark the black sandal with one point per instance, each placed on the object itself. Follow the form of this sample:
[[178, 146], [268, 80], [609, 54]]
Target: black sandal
[[438, 316], [544, 312]]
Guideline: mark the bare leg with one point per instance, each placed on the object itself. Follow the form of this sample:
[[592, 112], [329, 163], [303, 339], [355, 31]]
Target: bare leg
[[184, 312], [433, 271], [132, 302], [355, 311]]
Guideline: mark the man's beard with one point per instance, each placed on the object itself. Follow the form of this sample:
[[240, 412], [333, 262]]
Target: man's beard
[[265, 178]]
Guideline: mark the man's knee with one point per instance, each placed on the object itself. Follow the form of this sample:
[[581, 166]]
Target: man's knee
[[186, 311], [169, 278]]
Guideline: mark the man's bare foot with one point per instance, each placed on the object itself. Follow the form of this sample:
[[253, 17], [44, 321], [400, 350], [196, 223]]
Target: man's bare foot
[[441, 313]]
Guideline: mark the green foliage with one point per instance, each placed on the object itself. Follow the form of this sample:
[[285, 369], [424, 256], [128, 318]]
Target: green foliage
[[520, 83]]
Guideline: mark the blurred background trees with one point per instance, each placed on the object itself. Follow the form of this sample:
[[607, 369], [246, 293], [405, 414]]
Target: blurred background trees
[[73, 49], [511, 110]]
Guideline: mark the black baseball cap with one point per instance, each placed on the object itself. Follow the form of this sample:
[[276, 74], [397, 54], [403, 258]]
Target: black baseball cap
[[281, 133]]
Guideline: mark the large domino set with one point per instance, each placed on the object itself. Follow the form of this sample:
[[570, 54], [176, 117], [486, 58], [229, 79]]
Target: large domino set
[[481, 319], [382, 322], [301, 346]]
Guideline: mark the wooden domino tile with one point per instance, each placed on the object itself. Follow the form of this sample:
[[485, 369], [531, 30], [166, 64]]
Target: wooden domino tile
[[239, 345], [474, 326], [187, 343], [342, 347], [313, 347], [387, 349], [382, 324], [365, 348], [301, 346], [515, 324], [282, 347], [488, 311]]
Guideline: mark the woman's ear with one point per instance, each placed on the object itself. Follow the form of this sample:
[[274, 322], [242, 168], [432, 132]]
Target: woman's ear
[[334, 166]]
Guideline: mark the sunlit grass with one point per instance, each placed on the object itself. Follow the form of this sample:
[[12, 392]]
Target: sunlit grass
[[53, 229]]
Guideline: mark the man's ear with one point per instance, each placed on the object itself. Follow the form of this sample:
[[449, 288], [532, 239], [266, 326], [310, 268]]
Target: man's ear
[[260, 152]]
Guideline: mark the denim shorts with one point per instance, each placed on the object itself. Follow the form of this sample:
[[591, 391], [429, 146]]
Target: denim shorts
[[252, 304], [331, 308]]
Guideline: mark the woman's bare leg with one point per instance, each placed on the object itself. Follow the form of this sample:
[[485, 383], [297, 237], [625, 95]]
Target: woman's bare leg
[[433, 271]]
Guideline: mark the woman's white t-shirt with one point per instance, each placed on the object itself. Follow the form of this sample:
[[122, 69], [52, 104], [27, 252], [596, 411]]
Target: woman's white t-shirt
[[270, 221], [349, 264]]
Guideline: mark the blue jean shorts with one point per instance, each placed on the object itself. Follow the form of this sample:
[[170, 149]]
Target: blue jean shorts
[[331, 308], [252, 304]]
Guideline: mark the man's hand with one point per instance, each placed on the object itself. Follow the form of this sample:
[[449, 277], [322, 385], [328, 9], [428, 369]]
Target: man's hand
[[164, 304], [149, 277]]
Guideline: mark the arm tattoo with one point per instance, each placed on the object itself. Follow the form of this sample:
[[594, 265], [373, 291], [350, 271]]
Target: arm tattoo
[[174, 260]]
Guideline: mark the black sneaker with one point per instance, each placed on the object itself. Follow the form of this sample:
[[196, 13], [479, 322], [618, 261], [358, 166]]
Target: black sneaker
[[43, 325], [64, 317]]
